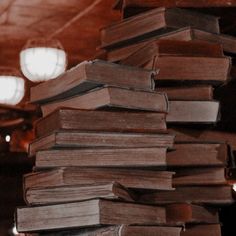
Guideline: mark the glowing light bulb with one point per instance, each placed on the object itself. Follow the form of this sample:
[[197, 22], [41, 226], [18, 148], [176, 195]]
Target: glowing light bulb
[[14, 231], [8, 138], [234, 187]]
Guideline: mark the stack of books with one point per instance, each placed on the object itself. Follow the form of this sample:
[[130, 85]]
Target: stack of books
[[186, 50], [102, 140]]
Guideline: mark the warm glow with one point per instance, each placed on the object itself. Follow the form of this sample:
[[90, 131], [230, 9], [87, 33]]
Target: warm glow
[[234, 187], [12, 89], [14, 231], [42, 63]]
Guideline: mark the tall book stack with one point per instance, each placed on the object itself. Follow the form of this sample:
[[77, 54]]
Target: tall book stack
[[101, 143], [186, 50]]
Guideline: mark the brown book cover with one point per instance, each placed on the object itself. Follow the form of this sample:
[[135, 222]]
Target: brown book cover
[[74, 139], [151, 21], [193, 112], [109, 157], [113, 98], [119, 230], [173, 48], [135, 178], [87, 214], [185, 213], [198, 154], [89, 75], [211, 195], [73, 193], [101, 121], [188, 93], [200, 176], [196, 230], [184, 34]]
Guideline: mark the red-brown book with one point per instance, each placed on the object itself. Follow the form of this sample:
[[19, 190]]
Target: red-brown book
[[73, 139], [89, 75], [150, 22], [136, 178], [110, 157], [113, 98], [196, 230], [101, 121]]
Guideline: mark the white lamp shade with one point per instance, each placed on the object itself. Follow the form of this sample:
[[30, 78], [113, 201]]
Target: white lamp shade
[[12, 89], [42, 63]]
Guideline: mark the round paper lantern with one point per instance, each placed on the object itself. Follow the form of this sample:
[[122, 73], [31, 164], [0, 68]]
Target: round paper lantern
[[12, 86], [42, 59]]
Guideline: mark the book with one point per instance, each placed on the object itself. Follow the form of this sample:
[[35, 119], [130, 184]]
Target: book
[[119, 230], [183, 34], [101, 121], [188, 93], [172, 47], [193, 112], [74, 193], [86, 214], [73, 139], [200, 176], [122, 4], [204, 69], [135, 178], [210, 195], [113, 98], [150, 22], [185, 213], [107, 157], [196, 230], [198, 155], [89, 75]]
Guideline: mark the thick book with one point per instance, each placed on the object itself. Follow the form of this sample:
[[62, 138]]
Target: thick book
[[188, 93], [118, 230], [101, 121], [200, 176], [112, 98], [135, 178], [186, 135], [173, 48], [110, 157], [87, 214], [74, 139], [193, 112], [196, 230], [89, 75], [150, 22], [198, 155], [78, 192], [184, 34], [210, 195]]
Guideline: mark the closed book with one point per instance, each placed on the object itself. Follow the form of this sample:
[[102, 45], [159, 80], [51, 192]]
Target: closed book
[[188, 93], [204, 69], [193, 112], [200, 176], [106, 157], [198, 155], [112, 98], [160, 48], [184, 34], [101, 121], [74, 139], [87, 214], [210, 195], [196, 230], [150, 22], [119, 230], [74, 193], [185, 213], [135, 178], [89, 75]]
